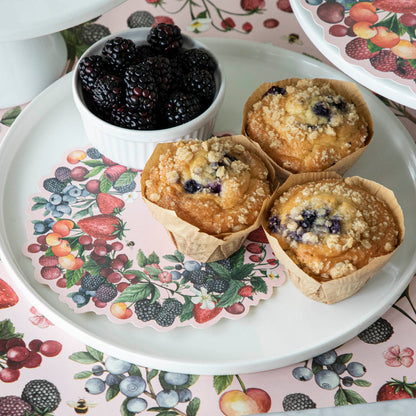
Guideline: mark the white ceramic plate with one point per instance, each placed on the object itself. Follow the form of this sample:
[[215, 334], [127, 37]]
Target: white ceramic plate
[[24, 19], [385, 87], [280, 331]]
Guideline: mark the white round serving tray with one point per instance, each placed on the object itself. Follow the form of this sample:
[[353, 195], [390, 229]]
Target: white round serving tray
[[285, 329]]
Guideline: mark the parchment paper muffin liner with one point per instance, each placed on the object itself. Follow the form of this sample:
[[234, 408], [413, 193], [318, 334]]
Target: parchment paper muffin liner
[[189, 239], [349, 90], [333, 291]]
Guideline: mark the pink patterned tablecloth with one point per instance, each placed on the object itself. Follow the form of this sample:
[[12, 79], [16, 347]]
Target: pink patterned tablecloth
[[65, 377]]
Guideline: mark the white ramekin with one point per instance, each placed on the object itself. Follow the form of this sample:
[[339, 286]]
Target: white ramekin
[[132, 148]]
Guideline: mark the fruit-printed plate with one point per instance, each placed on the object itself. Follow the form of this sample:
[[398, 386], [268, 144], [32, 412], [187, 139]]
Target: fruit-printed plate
[[284, 329], [385, 82]]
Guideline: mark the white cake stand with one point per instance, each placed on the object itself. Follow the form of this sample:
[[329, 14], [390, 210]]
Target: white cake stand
[[33, 53]]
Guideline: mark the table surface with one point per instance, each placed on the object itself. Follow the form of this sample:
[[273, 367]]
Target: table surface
[[77, 366]]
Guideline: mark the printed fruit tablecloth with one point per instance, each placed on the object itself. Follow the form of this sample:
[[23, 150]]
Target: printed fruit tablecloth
[[44, 370]]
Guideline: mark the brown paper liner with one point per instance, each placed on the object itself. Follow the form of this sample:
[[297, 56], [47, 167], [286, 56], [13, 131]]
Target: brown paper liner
[[189, 239], [348, 90], [333, 291]]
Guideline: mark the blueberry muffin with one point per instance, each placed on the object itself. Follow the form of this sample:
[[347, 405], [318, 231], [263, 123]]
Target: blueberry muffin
[[308, 125], [331, 228], [218, 185]]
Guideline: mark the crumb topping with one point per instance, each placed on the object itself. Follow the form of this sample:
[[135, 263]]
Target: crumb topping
[[307, 127], [330, 228], [216, 185]]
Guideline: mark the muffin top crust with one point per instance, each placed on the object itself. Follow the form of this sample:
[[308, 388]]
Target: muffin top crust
[[307, 126], [217, 185], [331, 229]]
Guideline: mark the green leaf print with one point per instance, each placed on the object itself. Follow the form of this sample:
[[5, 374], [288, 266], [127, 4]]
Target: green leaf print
[[82, 375], [135, 293], [8, 331], [353, 397], [10, 116], [98, 355], [222, 382], [340, 399], [83, 357], [193, 407]]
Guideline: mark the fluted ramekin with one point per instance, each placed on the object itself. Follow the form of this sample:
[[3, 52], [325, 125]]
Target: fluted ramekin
[[132, 148]]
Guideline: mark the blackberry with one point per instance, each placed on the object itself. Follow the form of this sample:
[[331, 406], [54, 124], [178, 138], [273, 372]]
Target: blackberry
[[140, 19], [172, 305], [91, 282], [106, 293], [165, 37], [53, 185], [42, 395], [91, 68], [103, 113], [219, 285], [63, 174], [165, 317], [145, 51], [198, 58], [14, 406], [119, 53], [201, 83], [141, 88], [147, 311], [162, 73], [297, 401], [181, 108], [176, 67], [123, 117], [126, 188], [90, 33], [108, 91], [226, 263], [94, 153], [199, 277], [380, 331]]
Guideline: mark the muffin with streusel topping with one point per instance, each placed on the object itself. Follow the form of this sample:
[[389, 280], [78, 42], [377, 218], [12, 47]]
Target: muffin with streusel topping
[[335, 231], [309, 125], [208, 193]]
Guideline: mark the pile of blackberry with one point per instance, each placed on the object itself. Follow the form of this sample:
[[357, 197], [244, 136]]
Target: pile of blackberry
[[155, 85], [164, 314]]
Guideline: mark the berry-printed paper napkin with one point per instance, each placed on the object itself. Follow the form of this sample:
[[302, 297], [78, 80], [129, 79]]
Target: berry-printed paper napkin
[[377, 35], [93, 240]]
